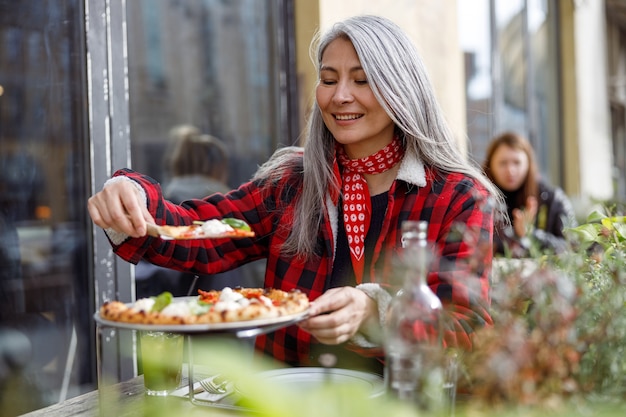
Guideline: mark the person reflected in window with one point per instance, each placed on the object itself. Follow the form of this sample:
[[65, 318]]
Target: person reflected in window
[[197, 165], [537, 212], [327, 217]]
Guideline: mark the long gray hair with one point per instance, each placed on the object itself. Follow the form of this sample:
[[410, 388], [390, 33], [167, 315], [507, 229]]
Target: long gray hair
[[400, 82]]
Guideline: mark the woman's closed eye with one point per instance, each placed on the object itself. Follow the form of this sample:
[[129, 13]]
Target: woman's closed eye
[[333, 82]]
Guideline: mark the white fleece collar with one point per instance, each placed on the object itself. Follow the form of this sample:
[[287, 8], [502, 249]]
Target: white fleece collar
[[412, 170]]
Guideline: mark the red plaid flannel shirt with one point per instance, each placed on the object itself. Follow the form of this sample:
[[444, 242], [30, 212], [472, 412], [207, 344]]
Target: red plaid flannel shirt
[[456, 207]]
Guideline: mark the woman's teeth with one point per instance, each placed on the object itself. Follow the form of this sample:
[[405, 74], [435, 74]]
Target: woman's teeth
[[347, 117]]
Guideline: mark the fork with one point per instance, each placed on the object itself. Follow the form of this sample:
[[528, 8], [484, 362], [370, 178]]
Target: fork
[[215, 385]]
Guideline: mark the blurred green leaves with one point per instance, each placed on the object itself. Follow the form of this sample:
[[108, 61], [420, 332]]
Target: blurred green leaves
[[559, 339]]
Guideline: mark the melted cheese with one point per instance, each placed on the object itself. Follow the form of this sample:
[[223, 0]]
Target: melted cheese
[[230, 300], [144, 304], [177, 309], [215, 227]]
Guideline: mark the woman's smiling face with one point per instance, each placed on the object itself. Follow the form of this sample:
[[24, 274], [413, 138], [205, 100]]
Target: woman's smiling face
[[348, 105]]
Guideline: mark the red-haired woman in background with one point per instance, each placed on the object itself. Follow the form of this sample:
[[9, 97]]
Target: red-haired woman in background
[[538, 213]]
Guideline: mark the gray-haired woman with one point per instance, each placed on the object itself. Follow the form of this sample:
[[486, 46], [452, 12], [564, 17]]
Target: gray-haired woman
[[327, 216]]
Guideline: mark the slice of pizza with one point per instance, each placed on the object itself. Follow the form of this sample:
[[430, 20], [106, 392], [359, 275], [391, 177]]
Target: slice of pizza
[[210, 229]]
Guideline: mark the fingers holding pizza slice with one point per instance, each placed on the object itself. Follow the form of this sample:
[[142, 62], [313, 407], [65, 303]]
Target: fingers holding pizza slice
[[210, 229]]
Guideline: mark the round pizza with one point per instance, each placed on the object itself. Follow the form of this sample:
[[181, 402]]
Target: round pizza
[[209, 307]]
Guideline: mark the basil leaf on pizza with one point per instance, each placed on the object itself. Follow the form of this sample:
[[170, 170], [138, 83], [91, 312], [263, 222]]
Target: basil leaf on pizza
[[161, 301], [236, 224]]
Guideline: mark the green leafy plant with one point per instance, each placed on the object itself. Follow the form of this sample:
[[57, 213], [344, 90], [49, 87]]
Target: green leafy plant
[[560, 324]]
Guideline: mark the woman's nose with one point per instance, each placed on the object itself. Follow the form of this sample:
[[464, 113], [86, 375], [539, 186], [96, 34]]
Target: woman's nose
[[511, 170], [343, 93]]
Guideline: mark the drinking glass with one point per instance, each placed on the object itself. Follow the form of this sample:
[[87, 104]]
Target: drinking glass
[[162, 361]]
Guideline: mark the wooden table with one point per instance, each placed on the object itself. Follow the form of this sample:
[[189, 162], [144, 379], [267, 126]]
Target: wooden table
[[127, 399]]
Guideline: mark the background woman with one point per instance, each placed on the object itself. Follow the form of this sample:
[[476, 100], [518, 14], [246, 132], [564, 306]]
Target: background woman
[[197, 165], [537, 212]]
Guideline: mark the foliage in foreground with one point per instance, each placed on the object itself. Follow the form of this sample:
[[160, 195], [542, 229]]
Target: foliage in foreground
[[276, 399], [558, 344]]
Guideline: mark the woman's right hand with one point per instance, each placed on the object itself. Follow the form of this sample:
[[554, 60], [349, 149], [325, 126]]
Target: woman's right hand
[[121, 207]]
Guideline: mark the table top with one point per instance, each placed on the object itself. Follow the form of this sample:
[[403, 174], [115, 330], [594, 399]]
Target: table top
[[126, 399], [286, 385]]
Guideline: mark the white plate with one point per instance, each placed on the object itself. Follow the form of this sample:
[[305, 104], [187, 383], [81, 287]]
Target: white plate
[[307, 378], [204, 327]]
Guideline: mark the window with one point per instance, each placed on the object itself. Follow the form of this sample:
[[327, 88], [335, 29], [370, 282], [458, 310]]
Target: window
[[215, 65], [74, 105], [512, 75], [45, 285]]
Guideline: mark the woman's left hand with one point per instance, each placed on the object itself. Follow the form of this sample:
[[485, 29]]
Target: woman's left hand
[[524, 218], [338, 314]]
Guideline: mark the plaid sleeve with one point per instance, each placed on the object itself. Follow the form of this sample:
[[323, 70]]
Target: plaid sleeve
[[206, 256]]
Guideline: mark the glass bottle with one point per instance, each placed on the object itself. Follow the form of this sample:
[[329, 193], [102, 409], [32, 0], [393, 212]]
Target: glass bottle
[[413, 328]]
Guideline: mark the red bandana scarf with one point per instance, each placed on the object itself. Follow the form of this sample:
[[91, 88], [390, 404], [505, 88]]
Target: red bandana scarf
[[357, 208]]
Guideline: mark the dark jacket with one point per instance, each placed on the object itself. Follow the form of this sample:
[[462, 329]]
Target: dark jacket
[[554, 214]]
